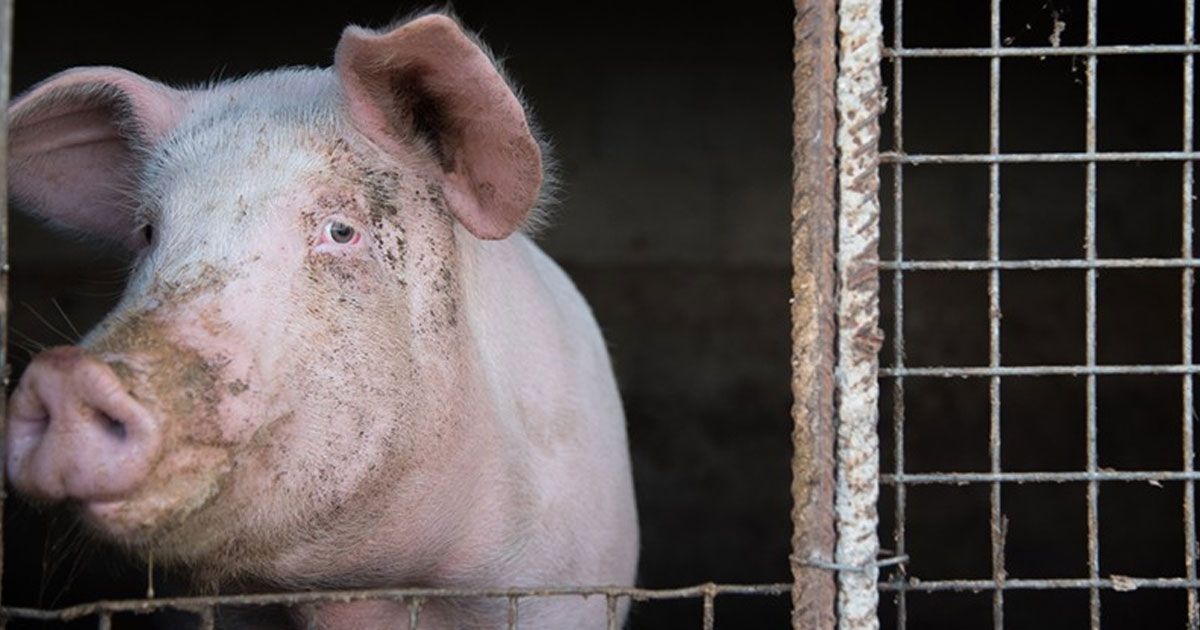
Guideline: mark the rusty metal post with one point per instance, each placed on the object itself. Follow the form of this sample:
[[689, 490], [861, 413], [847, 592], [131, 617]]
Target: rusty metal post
[[6, 12], [813, 325], [859, 103]]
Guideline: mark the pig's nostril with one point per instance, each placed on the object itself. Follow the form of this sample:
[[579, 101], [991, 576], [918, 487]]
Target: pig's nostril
[[74, 431], [113, 427]]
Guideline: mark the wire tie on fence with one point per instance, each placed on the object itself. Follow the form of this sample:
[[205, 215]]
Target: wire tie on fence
[[819, 563]]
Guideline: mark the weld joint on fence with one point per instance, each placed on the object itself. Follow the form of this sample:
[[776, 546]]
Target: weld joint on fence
[[828, 565], [414, 610], [708, 606], [206, 617], [610, 611], [513, 613]]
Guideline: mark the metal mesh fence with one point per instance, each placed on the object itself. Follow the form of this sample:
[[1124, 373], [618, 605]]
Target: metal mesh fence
[[900, 376]]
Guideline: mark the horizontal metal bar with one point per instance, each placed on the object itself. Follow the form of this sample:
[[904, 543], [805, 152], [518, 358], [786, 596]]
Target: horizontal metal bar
[[963, 478], [1040, 51], [1116, 583], [1039, 265], [294, 599], [1037, 370], [1082, 157]]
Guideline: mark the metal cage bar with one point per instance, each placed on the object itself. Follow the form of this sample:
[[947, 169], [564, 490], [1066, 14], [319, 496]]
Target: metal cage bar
[[413, 597], [1041, 158], [996, 50], [6, 16], [899, 537], [1186, 282], [1089, 246], [813, 326], [996, 518], [859, 103], [1093, 475]]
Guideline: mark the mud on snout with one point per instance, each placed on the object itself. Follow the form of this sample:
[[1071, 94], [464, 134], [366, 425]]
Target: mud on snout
[[128, 425]]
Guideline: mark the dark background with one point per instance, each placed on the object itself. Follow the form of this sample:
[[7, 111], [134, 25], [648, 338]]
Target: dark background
[[672, 123]]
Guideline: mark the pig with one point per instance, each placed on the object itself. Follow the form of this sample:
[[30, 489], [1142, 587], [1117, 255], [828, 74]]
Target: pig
[[340, 360]]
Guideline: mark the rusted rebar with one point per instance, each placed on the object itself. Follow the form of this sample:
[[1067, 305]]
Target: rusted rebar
[[813, 324], [859, 103]]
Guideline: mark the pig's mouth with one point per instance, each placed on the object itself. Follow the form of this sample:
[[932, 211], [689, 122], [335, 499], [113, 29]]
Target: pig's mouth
[[152, 516], [111, 519]]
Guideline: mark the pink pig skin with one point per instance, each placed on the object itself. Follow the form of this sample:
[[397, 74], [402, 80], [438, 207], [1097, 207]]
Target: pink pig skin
[[339, 362]]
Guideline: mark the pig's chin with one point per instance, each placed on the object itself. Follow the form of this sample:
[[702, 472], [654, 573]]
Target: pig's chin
[[136, 523], [151, 517]]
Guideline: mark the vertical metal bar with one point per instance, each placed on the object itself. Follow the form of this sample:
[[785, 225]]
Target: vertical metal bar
[[859, 103], [709, 618], [512, 612], [610, 606], [1189, 455], [1089, 246], [208, 620], [813, 324], [6, 16], [997, 515], [414, 612], [901, 513], [104, 622]]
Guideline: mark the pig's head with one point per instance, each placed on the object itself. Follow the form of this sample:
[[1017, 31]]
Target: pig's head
[[290, 359]]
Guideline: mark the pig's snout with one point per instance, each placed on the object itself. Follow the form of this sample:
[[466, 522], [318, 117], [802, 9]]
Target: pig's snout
[[74, 432]]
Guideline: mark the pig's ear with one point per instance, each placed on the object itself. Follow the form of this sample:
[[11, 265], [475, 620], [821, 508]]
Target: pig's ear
[[75, 141], [427, 78]]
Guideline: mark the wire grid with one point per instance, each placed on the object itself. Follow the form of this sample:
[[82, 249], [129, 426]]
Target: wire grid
[[901, 583]]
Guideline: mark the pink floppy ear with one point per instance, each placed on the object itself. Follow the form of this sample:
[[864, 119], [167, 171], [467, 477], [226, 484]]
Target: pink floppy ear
[[74, 144], [428, 78]]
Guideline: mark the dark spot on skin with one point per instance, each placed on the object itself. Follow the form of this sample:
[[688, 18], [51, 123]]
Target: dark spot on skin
[[486, 192], [238, 387], [199, 278], [243, 208], [438, 197], [379, 186], [445, 285]]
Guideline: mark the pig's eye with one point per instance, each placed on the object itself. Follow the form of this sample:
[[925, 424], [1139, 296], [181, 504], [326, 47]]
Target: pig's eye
[[148, 233], [340, 233]]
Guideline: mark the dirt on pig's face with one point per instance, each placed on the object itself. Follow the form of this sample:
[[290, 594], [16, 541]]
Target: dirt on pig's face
[[295, 331]]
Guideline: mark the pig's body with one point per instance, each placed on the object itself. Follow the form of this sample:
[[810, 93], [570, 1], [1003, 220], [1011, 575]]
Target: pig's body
[[427, 402]]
